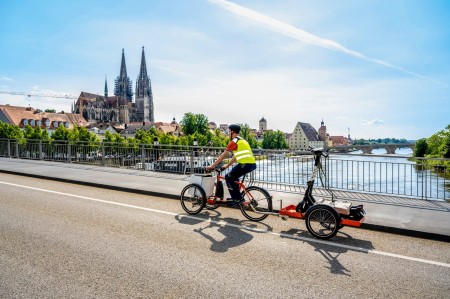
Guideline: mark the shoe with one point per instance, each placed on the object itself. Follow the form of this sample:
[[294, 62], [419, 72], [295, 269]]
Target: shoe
[[232, 203]]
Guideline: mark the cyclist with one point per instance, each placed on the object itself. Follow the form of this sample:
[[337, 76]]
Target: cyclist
[[243, 155]]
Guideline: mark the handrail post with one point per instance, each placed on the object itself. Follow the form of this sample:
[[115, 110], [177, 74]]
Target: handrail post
[[40, 150], [103, 154], [143, 156], [9, 148], [69, 153], [17, 148]]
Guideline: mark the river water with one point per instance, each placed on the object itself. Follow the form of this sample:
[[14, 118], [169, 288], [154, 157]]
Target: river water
[[375, 173]]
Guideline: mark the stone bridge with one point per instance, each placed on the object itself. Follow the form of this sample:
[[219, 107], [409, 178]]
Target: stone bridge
[[367, 149]]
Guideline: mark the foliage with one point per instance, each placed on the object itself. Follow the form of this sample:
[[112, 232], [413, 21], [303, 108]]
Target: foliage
[[194, 123], [421, 148], [274, 140], [439, 144], [9, 131], [61, 133], [50, 110]]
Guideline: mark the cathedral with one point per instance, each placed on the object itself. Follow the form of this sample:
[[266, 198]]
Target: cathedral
[[120, 107]]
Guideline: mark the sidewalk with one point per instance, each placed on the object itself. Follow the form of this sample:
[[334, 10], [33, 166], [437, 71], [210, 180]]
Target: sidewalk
[[429, 219]]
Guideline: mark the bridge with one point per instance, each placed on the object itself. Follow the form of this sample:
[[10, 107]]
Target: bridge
[[367, 149]]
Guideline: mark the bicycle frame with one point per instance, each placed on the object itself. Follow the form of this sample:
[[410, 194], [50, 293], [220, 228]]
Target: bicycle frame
[[220, 179]]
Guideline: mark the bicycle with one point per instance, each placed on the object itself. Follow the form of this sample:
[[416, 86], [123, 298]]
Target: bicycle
[[206, 190]]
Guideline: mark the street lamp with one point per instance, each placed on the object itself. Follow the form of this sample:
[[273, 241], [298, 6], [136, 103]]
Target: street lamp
[[195, 142], [156, 144]]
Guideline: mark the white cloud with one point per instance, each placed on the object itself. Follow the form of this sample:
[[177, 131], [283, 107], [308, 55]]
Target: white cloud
[[7, 79], [306, 37], [373, 122]]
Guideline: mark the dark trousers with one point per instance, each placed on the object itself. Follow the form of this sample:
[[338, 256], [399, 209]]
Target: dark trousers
[[234, 175]]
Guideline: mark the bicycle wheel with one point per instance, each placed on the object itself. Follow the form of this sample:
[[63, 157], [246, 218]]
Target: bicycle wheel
[[256, 200], [193, 199], [322, 221]]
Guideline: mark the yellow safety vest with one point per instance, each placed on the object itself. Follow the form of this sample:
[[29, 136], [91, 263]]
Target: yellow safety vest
[[243, 154]]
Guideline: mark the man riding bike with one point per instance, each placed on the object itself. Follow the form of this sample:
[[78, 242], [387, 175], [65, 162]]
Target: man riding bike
[[243, 155]]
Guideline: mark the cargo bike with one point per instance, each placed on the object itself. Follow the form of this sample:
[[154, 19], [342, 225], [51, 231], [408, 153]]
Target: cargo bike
[[323, 216], [207, 191]]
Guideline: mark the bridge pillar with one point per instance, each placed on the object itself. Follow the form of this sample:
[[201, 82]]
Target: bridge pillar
[[390, 150], [367, 150]]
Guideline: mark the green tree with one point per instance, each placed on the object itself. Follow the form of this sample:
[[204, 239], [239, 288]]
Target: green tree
[[192, 123], [421, 148], [10, 131], [61, 133], [274, 140]]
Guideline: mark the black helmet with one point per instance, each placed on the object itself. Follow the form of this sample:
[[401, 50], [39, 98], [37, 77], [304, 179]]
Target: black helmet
[[235, 128]]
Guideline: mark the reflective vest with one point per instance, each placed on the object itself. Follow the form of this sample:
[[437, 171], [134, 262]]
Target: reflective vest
[[243, 154]]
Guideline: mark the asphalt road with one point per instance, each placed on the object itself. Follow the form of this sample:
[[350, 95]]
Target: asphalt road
[[61, 240]]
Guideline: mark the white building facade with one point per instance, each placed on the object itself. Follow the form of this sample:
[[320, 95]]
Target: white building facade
[[303, 137]]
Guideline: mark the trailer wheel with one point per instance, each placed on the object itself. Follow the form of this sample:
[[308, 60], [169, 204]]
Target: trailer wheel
[[322, 221]]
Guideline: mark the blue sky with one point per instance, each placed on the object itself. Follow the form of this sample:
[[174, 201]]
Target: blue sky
[[380, 68]]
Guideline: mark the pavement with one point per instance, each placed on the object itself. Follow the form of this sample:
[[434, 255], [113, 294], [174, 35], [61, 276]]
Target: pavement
[[415, 217]]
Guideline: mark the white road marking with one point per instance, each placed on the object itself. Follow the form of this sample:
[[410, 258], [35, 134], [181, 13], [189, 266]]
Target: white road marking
[[223, 223]]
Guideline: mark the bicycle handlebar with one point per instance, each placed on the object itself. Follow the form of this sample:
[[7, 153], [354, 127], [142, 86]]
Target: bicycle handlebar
[[319, 150]]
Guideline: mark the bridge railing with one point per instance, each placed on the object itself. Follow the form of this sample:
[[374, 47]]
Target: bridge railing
[[425, 179]]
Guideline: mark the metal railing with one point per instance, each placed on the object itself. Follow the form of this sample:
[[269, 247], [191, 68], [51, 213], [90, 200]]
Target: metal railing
[[425, 179]]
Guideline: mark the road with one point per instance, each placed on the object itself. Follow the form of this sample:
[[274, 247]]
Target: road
[[61, 240]]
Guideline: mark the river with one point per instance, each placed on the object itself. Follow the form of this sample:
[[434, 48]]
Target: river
[[375, 173]]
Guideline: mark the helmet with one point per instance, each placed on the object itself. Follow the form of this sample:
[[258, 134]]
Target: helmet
[[235, 128]]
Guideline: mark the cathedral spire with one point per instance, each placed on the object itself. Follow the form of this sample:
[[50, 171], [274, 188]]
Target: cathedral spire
[[122, 86], [106, 88], [143, 70], [144, 95], [123, 66]]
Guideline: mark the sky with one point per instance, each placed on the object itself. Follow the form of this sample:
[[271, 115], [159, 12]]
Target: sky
[[373, 68]]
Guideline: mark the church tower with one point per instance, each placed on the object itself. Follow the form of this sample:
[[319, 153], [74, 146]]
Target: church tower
[[123, 90], [263, 124], [123, 84], [144, 95], [323, 133]]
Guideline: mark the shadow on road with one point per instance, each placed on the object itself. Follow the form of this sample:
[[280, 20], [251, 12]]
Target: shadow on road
[[330, 252], [232, 236]]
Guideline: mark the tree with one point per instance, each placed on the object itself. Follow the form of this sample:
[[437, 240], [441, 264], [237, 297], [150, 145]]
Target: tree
[[274, 140], [10, 131], [61, 133], [421, 148], [50, 110], [192, 123]]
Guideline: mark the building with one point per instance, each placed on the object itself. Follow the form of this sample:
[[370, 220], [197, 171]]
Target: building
[[23, 116], [323, 135], [339, 140], [120, 107], [262, 125], [303, 137]]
